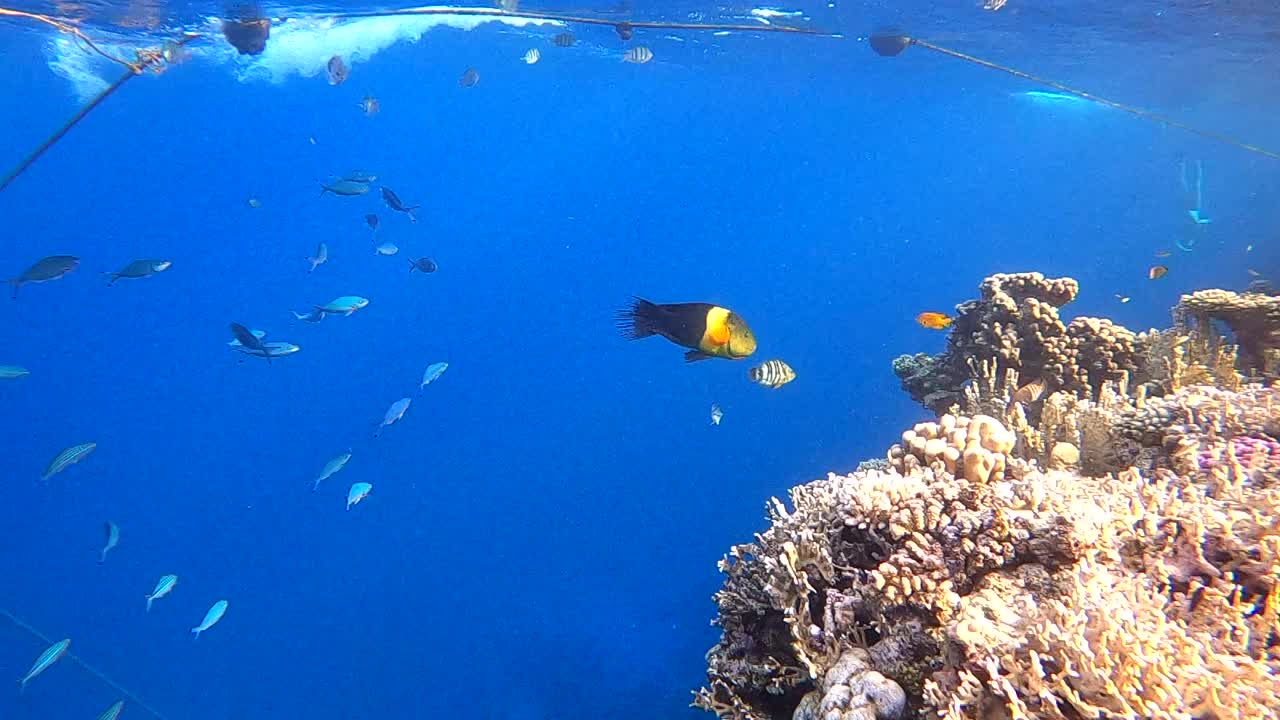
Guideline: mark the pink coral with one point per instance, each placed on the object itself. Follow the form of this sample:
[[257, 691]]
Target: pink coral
[[1248, 451]]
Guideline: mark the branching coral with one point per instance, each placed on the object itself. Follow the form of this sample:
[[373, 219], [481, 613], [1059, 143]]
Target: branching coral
[[1254, 319], [1015, 325]]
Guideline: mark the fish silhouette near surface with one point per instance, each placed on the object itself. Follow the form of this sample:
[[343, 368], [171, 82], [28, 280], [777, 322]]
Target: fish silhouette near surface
[[337, 70], [44, 270], [393, 201]]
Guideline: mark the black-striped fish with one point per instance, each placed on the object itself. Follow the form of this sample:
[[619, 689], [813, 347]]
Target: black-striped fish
[[564, 40], [710, 330], [113, 539], [70, 456], [42, 663], [112, 712], [772, 374], [638, 55]]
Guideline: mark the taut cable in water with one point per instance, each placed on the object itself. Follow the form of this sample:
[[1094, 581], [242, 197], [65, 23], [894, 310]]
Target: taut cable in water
[[77, 660], [890, 44]]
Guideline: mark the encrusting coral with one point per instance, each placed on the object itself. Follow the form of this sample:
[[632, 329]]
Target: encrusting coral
[[1094, 549]]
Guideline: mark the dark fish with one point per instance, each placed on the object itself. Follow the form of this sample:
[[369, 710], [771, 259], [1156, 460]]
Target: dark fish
[[393, 202], [426, 265], [338, 70], [50, 268], [348, 188], [564, 40], [709, 330], [469, 78], [247, 339], [624, 30], [372, 220], [248, 32], [139, 269]]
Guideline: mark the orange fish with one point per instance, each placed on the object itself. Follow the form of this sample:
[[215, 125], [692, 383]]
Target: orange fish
[[1157, 271], [934, 320]]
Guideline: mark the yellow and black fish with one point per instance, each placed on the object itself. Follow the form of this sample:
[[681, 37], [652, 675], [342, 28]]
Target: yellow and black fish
[[710, 330]]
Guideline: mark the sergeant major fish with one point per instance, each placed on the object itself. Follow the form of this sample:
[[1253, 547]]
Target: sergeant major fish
[[709, 330], [164, 586], [211, 618], [46, 269], [772, 374], [47, 658]]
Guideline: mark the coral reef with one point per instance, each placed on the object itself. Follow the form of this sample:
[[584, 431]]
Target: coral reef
[[1254, 319], [1101, 541], [1015, 326]]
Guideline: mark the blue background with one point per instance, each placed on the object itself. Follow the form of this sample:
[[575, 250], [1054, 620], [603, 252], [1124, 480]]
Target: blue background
[[544, 525]]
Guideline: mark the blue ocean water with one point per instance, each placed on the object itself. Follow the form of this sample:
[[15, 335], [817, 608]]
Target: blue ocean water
[[544, 524]]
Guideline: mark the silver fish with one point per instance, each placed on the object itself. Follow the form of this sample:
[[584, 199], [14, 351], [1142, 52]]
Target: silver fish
[[394, 413], [772, 374], [361, 177], [9, 372], [358, 492], [140, 269], [113, 539], [348, 188], [164, 586], [321, 256], [112, 712], [387, 248], [211, 618], [45, 269], [344, 305], [270, 349], [331, 468], [67, 457], [50, 656], [638, 55], [433, 373], [716, 414]]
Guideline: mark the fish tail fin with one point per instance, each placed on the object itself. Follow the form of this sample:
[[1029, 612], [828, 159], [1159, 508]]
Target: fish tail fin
[[22, 686], [197, 632], [16, 283], [412, 265], [324, 189], [149, 599], [409, 211], [638, 320]]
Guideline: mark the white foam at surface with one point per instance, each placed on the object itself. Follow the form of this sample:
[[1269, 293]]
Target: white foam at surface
[[772, 13], [77, 66], [297, 47]]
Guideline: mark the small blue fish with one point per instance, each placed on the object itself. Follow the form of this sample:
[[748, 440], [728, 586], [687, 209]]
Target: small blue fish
[[50, 656], [331, 468], [433, 373], [358, 492], [113, 539], [394, 413], [211, 618], [164, 586], [345, 305], [112, 712]]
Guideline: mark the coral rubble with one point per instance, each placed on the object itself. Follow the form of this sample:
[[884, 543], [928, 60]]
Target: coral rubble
[[1105, 544]]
